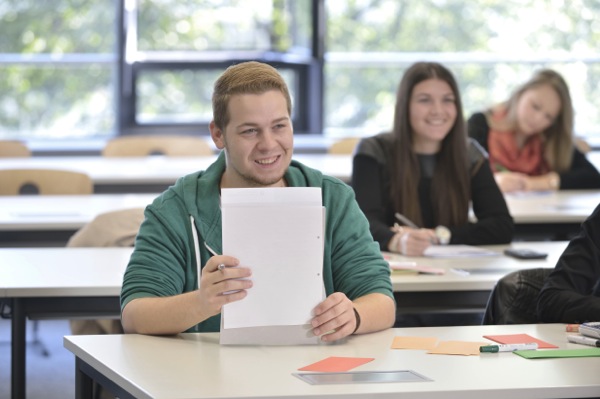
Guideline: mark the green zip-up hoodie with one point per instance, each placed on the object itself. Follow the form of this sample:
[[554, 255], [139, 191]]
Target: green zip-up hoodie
[[164, 261]]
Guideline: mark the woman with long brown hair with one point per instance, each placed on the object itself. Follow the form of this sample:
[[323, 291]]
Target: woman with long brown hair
[[428, 171]]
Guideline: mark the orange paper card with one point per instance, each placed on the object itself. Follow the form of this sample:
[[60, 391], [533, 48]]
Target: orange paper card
[[519, 339], [335, 364], [414, 343], [457, 348]]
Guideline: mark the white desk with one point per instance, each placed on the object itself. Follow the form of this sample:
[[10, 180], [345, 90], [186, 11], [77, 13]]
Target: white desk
[[536, 216], [196, 366], [35, 220], [551, 215], [69, 282], [58, 283], [456, 290], [62, 212], [156, 173], [566, 206]]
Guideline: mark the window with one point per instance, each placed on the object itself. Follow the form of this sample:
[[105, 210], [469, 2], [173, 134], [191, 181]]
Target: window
[[58, 68], [491, 46], [175, 50], [68, 75]]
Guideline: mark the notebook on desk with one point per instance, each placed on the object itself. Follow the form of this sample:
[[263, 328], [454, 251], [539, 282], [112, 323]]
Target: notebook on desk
[[457, 251]]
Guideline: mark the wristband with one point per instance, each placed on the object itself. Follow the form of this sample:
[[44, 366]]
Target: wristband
[[357, 316]]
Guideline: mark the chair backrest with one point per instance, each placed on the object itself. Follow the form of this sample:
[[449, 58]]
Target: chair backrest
[[514, 298], [13, 149], [110, 229], [44, 182], [344, 146], [145, 145]]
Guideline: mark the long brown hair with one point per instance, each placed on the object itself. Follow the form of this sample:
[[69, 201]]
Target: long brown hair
[[451, 189], [558, 137]]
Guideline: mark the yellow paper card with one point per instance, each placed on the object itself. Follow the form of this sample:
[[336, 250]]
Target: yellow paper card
[[414, 343]]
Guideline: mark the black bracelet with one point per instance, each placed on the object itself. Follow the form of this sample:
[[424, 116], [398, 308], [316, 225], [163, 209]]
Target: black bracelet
[[357, 316]]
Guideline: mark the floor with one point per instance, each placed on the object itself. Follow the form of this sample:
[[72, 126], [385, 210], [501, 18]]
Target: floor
[[48, 377]]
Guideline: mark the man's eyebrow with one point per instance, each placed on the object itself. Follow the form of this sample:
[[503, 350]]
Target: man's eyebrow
[[247, 124], [254, 124]]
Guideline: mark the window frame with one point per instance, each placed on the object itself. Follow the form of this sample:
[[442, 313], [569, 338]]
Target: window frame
[[308, 101]]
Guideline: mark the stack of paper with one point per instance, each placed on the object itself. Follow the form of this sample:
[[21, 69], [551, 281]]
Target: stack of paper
[[453, 251], [279, 234]]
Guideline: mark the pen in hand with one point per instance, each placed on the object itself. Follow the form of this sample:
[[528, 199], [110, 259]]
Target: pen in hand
[[409, 223], [405, 220]]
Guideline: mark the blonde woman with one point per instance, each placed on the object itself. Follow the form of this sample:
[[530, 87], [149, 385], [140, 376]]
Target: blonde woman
[[529, 138]]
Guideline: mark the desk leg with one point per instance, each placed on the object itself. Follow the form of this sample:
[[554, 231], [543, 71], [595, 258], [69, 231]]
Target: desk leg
[[83, 383], [18, 350]]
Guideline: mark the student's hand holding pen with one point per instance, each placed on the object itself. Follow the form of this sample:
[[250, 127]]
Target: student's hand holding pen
[[411, 242], [222, 283]]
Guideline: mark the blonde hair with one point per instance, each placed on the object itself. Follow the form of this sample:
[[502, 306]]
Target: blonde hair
[[558, 137], [245, 78]]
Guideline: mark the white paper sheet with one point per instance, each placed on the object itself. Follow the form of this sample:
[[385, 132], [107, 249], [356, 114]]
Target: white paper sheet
[[278, 233], [454, 251]]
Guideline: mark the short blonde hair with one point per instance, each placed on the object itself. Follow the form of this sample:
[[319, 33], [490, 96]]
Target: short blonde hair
[[245, 78]]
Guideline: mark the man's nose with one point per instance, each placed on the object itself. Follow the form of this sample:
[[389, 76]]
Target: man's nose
[[267, 140]]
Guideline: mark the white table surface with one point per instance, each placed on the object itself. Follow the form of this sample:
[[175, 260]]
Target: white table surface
[[483, 272], [196, 366], [62, 212], [71, 272], [62, 272], [159, 169], [565, 206]]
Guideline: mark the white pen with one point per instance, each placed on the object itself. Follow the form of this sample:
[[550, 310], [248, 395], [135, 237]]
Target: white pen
[[221, 266], [508, 347], [405, 220], [212, 251], [579, 339]]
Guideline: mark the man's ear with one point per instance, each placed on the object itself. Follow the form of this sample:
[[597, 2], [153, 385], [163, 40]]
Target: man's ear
[[217, 135]]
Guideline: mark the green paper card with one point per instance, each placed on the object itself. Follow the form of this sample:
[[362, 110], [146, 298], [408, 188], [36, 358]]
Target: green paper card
[[545, 354]]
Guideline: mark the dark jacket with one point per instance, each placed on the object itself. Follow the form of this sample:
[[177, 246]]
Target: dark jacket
[[571, 294]]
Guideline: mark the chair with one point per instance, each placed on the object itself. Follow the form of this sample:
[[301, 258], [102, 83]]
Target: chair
[[514, 298], [344, 146], [13, 149], [44, 182], [144, 145]]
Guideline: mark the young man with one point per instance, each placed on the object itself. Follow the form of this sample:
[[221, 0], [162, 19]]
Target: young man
[[162, 292]]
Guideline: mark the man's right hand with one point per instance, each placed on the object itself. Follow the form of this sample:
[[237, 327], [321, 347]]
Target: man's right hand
[[222, 281]]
